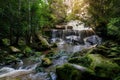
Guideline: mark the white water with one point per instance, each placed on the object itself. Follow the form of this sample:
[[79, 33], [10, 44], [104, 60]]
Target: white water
[[68, 41]]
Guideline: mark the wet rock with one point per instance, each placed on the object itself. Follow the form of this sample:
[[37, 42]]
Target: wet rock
[[94, 39], [102, 67], [84, 61], [76, 72], [42, 40], [46, 62], [68, 72]]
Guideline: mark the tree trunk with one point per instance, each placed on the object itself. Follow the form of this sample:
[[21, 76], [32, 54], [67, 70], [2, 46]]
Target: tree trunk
[[1, 43], [16, 40], [11, 36]]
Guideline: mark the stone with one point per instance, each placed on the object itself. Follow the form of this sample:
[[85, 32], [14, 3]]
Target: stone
[[103, 67], [46, 62], [94, 39], [68, 72]]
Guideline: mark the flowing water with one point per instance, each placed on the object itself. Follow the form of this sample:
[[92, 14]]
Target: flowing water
[[69, 41]]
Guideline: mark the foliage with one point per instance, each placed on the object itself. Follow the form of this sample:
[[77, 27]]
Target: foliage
[[100, 12], [114, 28], [58, 10], [22, 18]]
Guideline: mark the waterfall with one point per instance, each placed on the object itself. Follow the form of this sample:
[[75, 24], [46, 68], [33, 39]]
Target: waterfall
[[75, 38], [71, 35]]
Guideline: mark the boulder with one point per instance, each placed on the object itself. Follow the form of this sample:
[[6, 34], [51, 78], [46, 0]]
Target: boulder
[[46, 62], [43, 40], [68, 72], [102, 67], [76, 72], [94, 39], [41, 43]]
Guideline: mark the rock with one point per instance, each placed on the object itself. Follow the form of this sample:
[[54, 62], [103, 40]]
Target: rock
[[68, 72], [27, 50], [94, 39], [43, 40], [46, 62], [76, 72], [41, 43], [14, 49], [84, 61], [103, 67]]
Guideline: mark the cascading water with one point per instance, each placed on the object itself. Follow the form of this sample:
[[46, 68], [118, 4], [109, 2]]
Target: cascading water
[[72, 40], [69, 41]]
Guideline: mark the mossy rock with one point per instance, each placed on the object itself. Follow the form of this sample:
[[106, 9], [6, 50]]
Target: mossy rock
[[68, 72], [38, 53], [46, 62], [103, 67], [84, 61], [27, 51]]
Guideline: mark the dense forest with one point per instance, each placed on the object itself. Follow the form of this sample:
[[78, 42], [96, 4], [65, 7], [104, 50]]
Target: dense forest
[[27, 28]]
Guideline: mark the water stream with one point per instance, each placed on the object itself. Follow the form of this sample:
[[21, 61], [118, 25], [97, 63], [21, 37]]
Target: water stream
[[69, 41]]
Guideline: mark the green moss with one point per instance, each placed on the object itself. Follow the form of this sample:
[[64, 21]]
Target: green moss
[[27, 51], [46, 62], [67, 72], [103, 67], [38, 53], [84, 61]]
